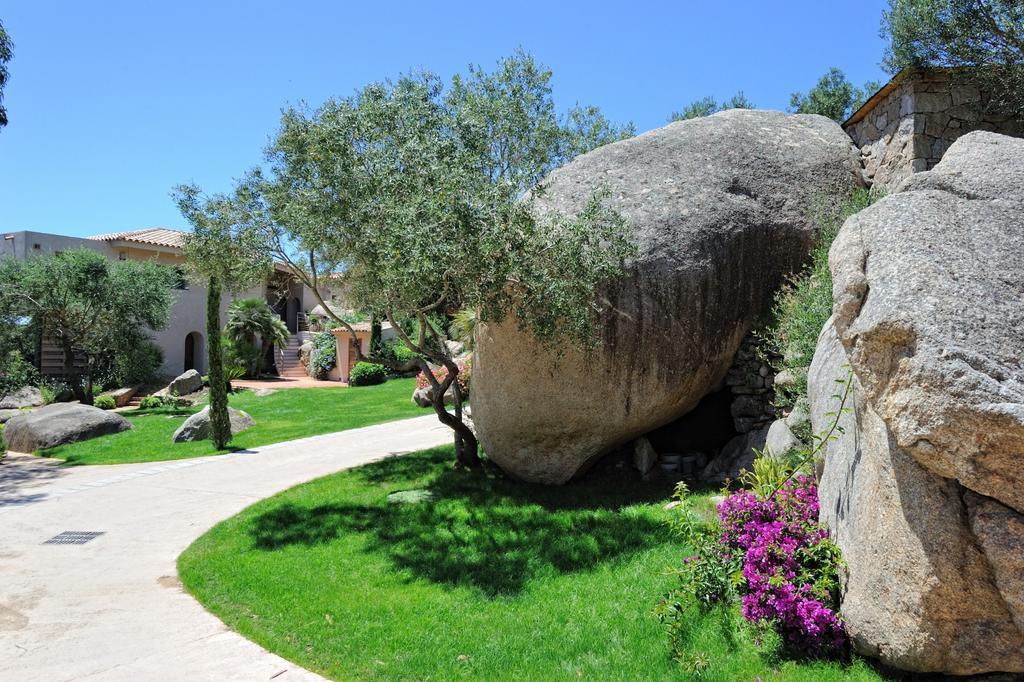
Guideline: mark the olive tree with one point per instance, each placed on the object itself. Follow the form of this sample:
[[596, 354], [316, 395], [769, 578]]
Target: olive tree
[[705, 106], [423, 197], [88, 305], [227, 256], [962, 33], [6, 53], [833, 96]]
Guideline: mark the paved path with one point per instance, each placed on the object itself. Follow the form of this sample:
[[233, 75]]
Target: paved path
[[113, 608]]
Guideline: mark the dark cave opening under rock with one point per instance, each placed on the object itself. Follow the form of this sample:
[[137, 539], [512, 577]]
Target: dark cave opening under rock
[[705, 429]]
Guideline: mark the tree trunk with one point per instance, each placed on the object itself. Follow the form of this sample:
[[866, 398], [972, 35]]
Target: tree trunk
[[467, 449], [220, 422], [71, 377], [375, 333]]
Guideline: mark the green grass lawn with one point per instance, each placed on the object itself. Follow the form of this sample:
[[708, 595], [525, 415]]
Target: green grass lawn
[[284, 415], [488, 580]]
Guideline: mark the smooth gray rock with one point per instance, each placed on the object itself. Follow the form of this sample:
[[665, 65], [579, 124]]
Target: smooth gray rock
[[197, 427], [786, 378], [736, 457], [645, 457], [929, 305], [27, 396], [780, 439], [424, 397], [799, 416], [189, 382], [722, 209], [5, 415], [59, 424], [305, 353]]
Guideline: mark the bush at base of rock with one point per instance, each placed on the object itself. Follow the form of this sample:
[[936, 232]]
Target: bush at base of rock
[[59, 424], [768, 555], [104, 402], [367, 374]]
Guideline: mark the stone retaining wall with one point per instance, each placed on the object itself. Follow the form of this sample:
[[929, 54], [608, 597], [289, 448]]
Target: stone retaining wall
[[910, 128]]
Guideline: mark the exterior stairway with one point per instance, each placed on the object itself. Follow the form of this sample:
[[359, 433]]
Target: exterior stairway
[[287, 360]]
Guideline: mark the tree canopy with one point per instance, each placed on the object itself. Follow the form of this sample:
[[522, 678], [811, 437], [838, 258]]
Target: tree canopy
[[706, 106], [6, 53], [423, 196], [225, 252], [961, 33], [833, 96], [88, 304]]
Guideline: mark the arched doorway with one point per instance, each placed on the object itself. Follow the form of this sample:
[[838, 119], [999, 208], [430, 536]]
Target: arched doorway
[[194, 351]]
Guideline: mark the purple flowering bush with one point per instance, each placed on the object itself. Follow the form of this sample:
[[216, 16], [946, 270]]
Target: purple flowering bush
[[770, 555]]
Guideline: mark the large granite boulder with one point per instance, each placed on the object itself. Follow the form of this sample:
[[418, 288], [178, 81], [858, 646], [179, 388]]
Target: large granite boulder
[[189, 382], [27, 396], [59, 424], [197, 427], [929, 303], [923, 489], [722, 209]]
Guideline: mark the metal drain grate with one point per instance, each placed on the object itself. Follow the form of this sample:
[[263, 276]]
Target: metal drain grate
[[73, 537]]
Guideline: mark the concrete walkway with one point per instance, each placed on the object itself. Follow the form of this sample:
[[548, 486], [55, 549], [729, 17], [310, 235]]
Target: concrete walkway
[[113, 608]]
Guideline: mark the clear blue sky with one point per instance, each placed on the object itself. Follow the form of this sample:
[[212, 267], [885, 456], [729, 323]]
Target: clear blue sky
[[113, 103]]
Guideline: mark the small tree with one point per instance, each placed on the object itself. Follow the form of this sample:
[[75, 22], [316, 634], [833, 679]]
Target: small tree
[[833, 96], [424, 197], [962, 33], [706, 106], [253, 328], [6, 53], [228, 257], [89, 305]]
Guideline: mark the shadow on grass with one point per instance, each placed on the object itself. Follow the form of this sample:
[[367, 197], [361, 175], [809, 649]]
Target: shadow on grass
[[488, 533]]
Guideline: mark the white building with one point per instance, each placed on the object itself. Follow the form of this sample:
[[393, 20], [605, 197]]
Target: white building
[[183, 340]]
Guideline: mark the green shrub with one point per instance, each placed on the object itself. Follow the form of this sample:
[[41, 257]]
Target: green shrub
[[104, 402], [138, 365], [396, 351], [367, 374], [804, 303], [17, 373], [3, 443], [151, 402], [55, 391], [324, 356]]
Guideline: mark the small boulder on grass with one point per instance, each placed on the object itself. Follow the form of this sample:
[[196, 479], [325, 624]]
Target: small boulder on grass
[[197, 427], [58, 424], [189, 382], [27, 396]]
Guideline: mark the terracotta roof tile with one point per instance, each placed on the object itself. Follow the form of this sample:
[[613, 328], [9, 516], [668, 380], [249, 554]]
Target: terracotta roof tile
[[153, 236]]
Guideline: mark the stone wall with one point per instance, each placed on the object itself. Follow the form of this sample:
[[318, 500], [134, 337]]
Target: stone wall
[[913, 124], [750, 380]]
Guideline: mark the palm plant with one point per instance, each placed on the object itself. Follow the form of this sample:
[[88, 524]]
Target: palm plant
[[253, 327]]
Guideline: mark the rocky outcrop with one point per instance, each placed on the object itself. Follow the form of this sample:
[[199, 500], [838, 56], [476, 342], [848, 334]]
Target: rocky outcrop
[[722, 209], [59, 424], [197, 427], [27, 396], [929, 304], [922, 489]]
